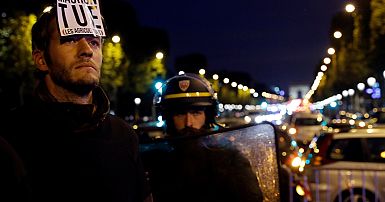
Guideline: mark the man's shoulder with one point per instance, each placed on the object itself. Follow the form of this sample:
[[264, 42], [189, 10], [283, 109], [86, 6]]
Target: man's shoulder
[[119, 125]]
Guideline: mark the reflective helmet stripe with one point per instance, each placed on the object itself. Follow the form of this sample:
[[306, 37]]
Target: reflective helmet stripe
[[190, 94]]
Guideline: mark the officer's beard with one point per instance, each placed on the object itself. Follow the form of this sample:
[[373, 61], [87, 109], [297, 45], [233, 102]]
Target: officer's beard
[[189, 131]]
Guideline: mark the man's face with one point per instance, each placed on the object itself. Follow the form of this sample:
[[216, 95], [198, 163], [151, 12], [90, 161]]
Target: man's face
[[193, 119], [74, 61]]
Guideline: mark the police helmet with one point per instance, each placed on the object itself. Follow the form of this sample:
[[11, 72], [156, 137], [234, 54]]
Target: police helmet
[[187, 92]]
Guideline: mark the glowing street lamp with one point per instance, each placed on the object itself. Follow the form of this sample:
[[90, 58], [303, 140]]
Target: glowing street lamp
[[350, 8], [137, 102], [324, 68], [215, 77], [360, 86], [159, 55], [331, 51], [202, 72], [116, 39], [371, 81], [327, 60], [337, 34]]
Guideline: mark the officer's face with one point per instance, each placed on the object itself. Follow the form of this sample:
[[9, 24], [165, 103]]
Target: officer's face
[[193, 119]]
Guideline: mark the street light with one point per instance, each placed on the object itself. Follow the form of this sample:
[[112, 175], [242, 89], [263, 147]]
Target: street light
[[327, 60], [337, 34], [215, 77], [159, 55], [324, 68], [331, 51], [202, 72], [360, 86], [371, 81], [116, 39], [361, 99], [137, 102], [350, 8]]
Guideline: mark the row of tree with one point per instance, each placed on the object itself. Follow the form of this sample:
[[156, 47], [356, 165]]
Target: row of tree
[[360, 52]]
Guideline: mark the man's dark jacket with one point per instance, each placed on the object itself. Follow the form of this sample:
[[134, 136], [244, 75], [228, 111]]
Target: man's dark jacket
[[69, 152]]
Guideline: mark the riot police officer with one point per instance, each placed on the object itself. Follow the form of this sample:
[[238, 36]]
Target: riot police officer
[[188, 102], [185, 168]]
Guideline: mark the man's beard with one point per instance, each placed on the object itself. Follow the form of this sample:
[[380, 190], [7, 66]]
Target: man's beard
[[81, 87]]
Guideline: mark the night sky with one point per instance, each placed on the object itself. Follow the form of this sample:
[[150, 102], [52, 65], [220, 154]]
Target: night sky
[[278, 42]]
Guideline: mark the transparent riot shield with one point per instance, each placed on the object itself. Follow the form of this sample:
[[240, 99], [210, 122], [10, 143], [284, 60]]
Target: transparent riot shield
[[172, 162]]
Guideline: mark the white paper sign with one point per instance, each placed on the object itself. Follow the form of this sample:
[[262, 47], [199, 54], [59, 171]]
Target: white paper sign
[[79, 17]]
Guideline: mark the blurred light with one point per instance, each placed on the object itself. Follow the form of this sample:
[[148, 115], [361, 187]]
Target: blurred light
[[361, 124], [292, 131], [360, 86], [160, 124], [247, 119], [345, 93], [47, 9], [371, 81], [159, 55], [331, 51], [333, 104], [160, 118], [350, 8], [255, 94], [324, 68], [202, 71], [215, 77], [252, 90], [337, 34], [351, 92], [300, 191], [180, 72], [116, 39], [327, 60], [137, 101], [234, 84], [226, 80], [135, 127], [158, 85], [382, 154], [352, 122], [3, 14], [296, 162]]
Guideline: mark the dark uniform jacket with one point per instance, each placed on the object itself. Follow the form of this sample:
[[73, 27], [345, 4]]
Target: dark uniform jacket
[[70, 152]]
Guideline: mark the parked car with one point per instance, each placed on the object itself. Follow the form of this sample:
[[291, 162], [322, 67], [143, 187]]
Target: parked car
[[350, 166], [304, 126]]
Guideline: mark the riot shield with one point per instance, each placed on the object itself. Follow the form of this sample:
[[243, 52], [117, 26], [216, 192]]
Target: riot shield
[[172, 162]]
